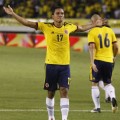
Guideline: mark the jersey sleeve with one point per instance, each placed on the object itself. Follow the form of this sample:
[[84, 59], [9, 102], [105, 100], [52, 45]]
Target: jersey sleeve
[[114, 39], [90, 37], [41, 26], [72, 28]]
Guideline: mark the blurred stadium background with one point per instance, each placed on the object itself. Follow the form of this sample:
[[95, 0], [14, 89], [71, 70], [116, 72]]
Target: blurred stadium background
[[13, 33], [22, 70]]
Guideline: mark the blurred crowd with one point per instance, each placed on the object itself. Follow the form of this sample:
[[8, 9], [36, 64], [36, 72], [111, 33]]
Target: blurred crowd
[[72, 8]]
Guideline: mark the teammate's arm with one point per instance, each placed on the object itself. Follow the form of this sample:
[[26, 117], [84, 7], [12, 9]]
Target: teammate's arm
[[20, 19], [92, 52]]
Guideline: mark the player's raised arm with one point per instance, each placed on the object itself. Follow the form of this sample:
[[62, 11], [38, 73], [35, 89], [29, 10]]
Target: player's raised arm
[[97, 23], [20, 19], [83, 28]]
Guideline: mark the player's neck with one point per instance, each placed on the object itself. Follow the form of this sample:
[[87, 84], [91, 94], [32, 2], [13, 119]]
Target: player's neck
[[58, 24]]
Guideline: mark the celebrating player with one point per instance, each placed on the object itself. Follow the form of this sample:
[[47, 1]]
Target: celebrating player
[[57, 56]]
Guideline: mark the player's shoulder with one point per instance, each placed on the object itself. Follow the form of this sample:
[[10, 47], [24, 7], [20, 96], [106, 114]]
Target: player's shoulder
[[46, 23], [107, 28], [68, 24], [98, 29], [93, 30]]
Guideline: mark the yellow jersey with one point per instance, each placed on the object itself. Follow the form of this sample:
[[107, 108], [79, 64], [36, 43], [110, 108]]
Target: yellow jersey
[[103, 37], [58, 45]]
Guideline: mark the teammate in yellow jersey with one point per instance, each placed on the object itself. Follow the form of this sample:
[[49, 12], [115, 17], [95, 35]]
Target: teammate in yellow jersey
[[57, 56], [102, 47]]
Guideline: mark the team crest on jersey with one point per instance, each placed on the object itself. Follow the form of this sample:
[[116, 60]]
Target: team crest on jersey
[[46, 85], [66, 31]]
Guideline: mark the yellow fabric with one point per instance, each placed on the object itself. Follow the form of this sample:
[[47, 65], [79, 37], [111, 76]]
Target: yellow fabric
[[103, 37], [57, 42]]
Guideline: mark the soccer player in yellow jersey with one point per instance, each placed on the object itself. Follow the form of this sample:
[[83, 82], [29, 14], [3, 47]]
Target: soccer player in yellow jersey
[[57, 56], [102, 47]]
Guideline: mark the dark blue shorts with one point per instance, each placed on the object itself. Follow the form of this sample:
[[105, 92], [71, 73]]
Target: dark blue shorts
[[104, 72], [57, 76]]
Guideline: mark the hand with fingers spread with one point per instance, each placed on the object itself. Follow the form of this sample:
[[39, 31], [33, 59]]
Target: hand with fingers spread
[[98, 23], [20, 19], [8, 10], [101, 22], [94, 67]]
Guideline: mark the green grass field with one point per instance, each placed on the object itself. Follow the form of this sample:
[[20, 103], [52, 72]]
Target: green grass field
[[21, 87]]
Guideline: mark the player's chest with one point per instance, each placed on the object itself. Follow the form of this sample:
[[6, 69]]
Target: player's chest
[[58, 34]]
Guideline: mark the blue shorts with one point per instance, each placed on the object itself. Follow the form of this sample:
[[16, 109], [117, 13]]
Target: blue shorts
[[104, 72], [57, 76]]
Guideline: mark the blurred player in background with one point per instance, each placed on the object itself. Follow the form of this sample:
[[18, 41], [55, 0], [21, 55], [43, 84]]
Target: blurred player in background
[[102, 47], [57, 56]]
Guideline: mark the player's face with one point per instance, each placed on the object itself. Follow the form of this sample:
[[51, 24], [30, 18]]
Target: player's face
[[58, 15]]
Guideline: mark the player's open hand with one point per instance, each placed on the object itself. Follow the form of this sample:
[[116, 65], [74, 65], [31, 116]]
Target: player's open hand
[[99, 23], [94, 68], [8, 10], [114, 59]]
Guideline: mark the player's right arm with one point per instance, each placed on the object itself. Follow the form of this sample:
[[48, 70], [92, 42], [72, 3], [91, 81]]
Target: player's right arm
[[92, 52], [20, 19], [114, 46]]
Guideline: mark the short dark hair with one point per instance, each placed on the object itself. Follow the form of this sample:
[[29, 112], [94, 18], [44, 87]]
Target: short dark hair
[[56, 7]]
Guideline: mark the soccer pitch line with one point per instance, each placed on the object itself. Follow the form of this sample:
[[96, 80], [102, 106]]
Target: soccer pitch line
[[43, 110]]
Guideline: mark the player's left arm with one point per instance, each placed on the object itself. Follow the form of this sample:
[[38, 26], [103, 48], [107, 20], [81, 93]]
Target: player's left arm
[[115, 50], [98, 23]]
